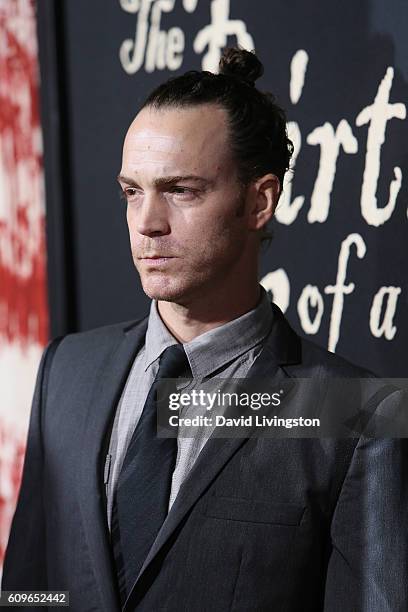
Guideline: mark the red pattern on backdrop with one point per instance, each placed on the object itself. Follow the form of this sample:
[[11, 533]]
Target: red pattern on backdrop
[[12, 449], [23, 296], [22, 268]]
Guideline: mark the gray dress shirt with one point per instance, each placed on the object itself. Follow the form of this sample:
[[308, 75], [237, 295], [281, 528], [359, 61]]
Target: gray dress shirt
[[228, 351]]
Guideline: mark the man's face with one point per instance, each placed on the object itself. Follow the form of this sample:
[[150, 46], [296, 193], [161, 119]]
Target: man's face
[[185, 208]]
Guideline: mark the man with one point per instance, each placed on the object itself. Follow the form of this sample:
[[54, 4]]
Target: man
[[119, 517]]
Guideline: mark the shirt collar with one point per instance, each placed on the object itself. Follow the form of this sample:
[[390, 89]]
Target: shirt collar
[[158, 337], [214, 348]]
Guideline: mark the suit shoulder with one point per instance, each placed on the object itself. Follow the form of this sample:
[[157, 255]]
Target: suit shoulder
[[96, 339], [305, 359], [330, 364]]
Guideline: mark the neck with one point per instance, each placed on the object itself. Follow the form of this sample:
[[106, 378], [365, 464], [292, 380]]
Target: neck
[[186, 322]]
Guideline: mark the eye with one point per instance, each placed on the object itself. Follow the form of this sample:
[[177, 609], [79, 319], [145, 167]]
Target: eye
[[129, 193], [183, 193], [178, 189]]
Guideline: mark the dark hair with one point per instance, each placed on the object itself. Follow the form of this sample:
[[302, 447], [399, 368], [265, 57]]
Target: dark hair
[[257, 124]]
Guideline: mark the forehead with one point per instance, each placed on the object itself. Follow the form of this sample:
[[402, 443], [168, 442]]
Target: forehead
[[186, 138]]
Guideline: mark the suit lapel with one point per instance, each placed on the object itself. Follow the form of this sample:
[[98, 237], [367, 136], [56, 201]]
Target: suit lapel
[[281, 347], [96, 426]]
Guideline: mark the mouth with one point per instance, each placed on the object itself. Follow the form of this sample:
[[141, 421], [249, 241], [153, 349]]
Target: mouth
[[156, 259]]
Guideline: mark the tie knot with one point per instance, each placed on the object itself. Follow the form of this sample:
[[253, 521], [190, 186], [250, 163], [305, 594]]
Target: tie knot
[[174, 363]]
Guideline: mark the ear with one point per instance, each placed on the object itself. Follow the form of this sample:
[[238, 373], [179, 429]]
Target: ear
[[265, 196]]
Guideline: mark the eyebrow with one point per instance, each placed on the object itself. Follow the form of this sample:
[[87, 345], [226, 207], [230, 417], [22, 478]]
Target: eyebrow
[[165, 181]]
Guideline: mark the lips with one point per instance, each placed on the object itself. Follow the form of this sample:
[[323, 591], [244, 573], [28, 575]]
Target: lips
[[154, 257], [156, 260]]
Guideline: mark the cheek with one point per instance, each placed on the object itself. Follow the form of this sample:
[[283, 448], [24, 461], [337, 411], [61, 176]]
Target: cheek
[[222, 238], [129, 220]]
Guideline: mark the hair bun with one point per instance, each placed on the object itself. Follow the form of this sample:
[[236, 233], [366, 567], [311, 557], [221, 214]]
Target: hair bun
[[241, 64]]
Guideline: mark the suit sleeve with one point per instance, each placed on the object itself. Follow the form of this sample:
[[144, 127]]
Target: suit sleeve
[[25, 559], [368, 566]]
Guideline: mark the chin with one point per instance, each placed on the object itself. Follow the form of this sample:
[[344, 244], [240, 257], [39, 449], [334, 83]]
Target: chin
[[163, 290]]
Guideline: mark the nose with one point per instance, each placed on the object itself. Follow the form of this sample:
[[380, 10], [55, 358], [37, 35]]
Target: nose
[[150, 218]]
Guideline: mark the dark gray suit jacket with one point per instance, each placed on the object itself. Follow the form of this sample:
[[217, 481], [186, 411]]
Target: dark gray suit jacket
[[259, 524]]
